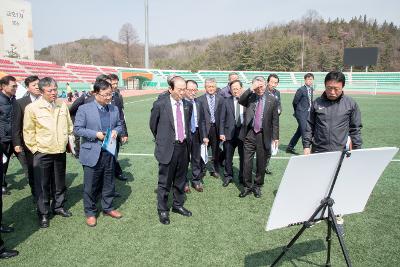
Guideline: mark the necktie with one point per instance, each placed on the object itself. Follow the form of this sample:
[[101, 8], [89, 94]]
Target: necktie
[[212, 107], [237, 114], [179, 122], [193, 120], [257, 117]]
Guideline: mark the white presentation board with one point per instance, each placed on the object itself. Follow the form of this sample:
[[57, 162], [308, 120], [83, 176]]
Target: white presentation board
[[307, 180]]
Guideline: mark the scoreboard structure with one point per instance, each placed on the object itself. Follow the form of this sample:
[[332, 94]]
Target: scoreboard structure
[[16, 37]]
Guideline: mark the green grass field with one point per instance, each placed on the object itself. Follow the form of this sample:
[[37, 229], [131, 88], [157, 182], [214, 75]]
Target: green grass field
[[224, 230]]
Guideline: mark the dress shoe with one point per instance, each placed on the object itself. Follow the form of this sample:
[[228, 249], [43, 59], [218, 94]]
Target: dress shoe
[[6, 229], [198, 187], [291, 151], [257, 192], [267, 171], [164, 217], [62, 212], [114, 214], [116, 194], [215, 174], [44, 221], [5, 191], [91, 221], [121, 177], [187, 189], [227, 181], [8, 253], [245, 193], [182, 211]]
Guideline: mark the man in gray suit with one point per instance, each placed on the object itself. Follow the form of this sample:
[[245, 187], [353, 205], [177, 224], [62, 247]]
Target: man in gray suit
[[92, 121], [170, 125], [259, 130]]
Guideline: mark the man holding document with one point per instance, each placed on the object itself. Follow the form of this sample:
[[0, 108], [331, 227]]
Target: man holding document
[[98, 123]]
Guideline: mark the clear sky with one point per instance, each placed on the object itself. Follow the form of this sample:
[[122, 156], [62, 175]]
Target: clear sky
[[57, 21]]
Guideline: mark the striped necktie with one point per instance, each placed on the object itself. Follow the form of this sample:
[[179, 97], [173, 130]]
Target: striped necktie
[[212, 108]]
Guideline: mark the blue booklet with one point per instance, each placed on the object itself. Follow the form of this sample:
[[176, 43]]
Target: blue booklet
[[109, 143]]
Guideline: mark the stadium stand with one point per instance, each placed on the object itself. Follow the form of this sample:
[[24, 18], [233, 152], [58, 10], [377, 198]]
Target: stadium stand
[[81, 76]]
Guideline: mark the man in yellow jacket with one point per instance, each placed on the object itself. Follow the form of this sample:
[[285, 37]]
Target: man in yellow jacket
[[46, 127]]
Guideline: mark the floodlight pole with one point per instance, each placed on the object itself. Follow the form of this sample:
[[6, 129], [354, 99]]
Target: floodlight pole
[[146, 45]]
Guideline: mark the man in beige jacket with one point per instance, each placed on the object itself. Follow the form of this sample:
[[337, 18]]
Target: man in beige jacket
[[47, 124]]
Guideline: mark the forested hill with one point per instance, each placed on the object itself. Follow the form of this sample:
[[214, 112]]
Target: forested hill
[[276, 47]]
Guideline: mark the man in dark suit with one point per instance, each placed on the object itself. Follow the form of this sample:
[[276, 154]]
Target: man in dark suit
[[4, 252], [226, 91], [272, 83], [198, 166], [210, 110], [170, 125], [8, 86], [301, 105], [24, 155], [231, 123], [91, 123], [118, 101], [259, 130]]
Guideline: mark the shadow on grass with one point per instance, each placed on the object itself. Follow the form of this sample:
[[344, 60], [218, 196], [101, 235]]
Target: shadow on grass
[[23, 217], [298, 250]]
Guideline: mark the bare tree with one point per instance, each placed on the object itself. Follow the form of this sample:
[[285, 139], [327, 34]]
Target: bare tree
[[128, 36]]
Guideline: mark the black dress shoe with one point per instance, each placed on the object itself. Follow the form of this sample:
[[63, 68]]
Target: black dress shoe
[[62, 212], [164, 217], [245, 193], [182, 211], [267, 171], [291, 151], [5, 191], [8, 253], [6, 229], [44, 221], [215, 174], [121, 177], [257, 192], [227, 181]]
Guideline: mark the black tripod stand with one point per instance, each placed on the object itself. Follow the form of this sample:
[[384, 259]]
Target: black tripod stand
[[326, 204]]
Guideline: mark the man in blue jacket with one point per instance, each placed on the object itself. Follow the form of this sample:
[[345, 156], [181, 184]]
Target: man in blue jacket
[[91, 123]]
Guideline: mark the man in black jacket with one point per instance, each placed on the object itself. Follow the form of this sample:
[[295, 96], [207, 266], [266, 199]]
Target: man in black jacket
[[334, 120], [118, 101], [24, 155], [8, 85], [170, 126], [301, 105]]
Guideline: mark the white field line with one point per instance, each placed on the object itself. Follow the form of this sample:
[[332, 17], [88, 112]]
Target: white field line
[[142, 100], [152, 155]]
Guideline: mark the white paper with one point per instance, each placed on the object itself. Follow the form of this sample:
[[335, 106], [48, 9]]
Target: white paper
[[204, 153], [274, 149], [71, 144], [221, 145], [4, 158], [307, 180]]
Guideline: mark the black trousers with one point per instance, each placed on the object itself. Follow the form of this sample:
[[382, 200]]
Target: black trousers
[[117, 166], [196, 162], [1, 203], [99, 178], [7, 150], [254, 144], [25, 158], [214, 144], [302, 124], [49, 173], [173, 175], [229, 149]]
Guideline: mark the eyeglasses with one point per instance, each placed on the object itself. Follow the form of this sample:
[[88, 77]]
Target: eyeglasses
[[105, 95], [51, 90]]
